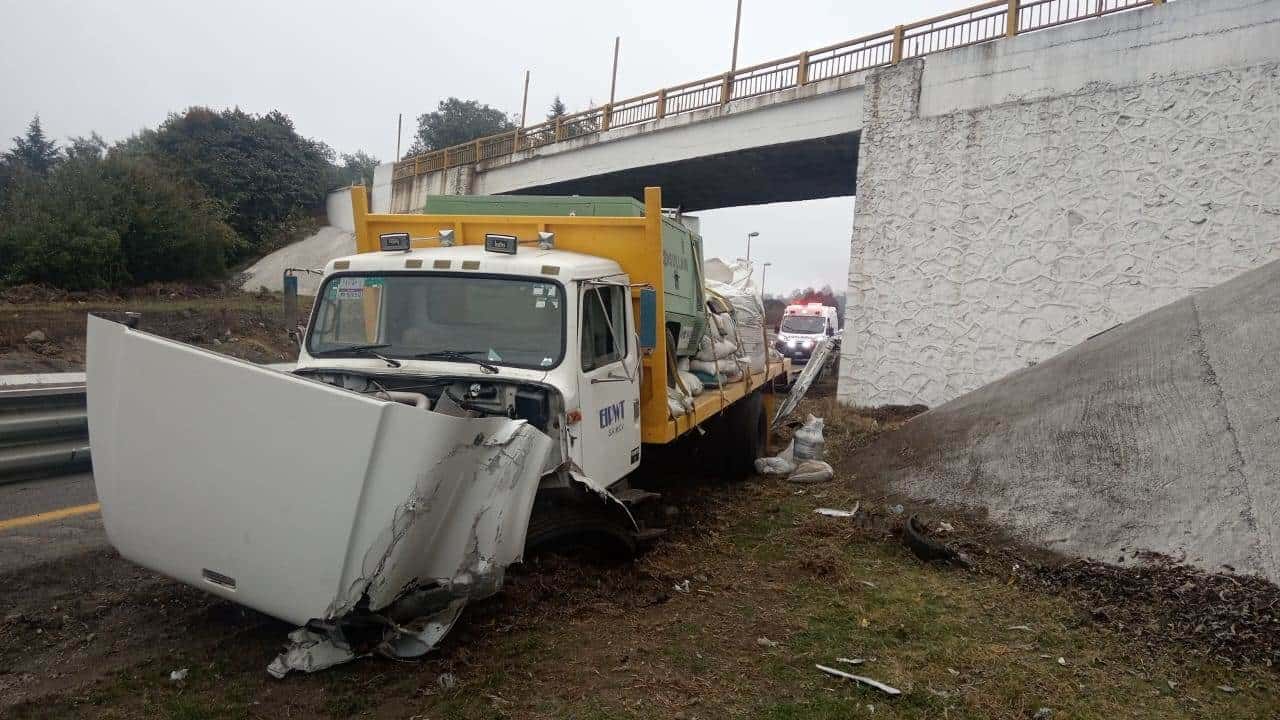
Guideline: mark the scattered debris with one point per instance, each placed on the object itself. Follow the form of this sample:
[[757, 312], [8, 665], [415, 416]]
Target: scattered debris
[[859, 679], [310, 651], [1062, 661], [1019, 627], [1226, 688], [1215, 614], [682, 586], [914, 536], [832, 512], [954, 671], [851, 661], [897, 509], [766, 642], [35, 336], [447, 681], [944, 526], [1043, 713], [178, 675], [869, 584]]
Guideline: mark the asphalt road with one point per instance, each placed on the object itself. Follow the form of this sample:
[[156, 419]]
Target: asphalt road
[[27, 540]]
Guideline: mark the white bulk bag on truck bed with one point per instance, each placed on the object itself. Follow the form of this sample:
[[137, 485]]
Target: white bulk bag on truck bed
[[293, 497]]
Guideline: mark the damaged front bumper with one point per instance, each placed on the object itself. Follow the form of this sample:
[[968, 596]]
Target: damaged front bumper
[[368, 523]]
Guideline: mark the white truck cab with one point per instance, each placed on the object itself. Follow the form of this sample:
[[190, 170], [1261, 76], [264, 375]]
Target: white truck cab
[[542, 335]]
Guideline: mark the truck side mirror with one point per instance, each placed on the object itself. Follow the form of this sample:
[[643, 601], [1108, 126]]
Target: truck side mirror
[[648, 321]]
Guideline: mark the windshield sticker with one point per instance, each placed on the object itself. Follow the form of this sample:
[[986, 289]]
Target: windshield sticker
[[540, 303], [551, 291], [350, 288], [546, 362], [538, 290]]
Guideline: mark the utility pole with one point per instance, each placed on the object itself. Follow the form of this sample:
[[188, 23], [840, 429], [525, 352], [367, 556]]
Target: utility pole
[[764, 268], [524, 104], [737, 25], [613, 84], [399, 122]]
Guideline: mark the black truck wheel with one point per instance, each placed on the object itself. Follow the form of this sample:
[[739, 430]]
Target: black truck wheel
[[743, 437]]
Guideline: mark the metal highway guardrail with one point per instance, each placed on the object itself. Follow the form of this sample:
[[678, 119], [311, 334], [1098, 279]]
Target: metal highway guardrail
[[44, 429], [43, 426]]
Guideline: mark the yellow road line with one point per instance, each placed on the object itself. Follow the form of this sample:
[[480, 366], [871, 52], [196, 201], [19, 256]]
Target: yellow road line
[[47, 517]]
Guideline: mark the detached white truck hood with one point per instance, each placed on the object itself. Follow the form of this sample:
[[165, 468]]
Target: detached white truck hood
[[293, 497]]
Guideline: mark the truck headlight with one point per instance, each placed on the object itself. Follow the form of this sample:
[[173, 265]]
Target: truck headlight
[[791, 342], [806, 344]]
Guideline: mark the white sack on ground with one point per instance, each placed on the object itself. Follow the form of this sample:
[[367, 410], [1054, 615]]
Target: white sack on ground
[[808, 441]]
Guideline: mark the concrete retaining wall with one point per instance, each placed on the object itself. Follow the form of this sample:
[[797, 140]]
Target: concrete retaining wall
[[1160, 434], [1017, 197]]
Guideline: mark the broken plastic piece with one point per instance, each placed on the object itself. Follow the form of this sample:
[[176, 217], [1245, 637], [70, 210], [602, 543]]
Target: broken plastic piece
[[309, 651], [833, 512], [860, 679], [682, 586], [178, 675], [851, 661]]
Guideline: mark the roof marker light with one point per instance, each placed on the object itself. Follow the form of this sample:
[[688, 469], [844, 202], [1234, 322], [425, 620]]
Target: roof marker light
[[394, 242], [446, 238]]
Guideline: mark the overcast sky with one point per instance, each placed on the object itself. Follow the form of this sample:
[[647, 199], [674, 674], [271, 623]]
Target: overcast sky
[[343, 70]]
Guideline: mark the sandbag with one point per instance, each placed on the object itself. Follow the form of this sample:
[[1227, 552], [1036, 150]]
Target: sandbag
[[710, 349], [811, 471], [691, 382], [678, 403], [808, 441], [774, 466]]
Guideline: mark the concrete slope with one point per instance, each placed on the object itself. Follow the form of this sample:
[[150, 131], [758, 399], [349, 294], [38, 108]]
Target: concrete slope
[[1161, 434], [314, 251]]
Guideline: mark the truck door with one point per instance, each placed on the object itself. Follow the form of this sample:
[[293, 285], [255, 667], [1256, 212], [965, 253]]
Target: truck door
[[609, 384]]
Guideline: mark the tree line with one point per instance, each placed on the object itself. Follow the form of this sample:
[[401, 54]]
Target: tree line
[[204, 191]]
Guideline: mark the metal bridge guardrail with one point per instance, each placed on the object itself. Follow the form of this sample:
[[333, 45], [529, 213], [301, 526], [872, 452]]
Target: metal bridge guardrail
[[44, 429], [968, 26]]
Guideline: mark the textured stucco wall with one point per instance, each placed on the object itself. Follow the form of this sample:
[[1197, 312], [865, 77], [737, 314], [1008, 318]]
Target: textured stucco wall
[[990, 238]]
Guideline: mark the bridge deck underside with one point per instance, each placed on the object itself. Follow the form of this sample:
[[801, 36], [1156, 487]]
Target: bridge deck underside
[[804, 170]]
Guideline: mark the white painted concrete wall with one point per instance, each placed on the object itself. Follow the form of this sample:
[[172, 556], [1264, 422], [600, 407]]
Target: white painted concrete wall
[[822, 109], [337, 207], [1015, 198], [380, 202]]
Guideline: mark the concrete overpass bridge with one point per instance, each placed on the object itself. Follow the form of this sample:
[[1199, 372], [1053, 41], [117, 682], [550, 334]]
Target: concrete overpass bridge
[[1029, 172]]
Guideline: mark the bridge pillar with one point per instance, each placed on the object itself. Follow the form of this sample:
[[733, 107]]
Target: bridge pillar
[[1016, 198]]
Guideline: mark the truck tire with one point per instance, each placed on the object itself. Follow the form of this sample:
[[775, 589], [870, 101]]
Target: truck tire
[[568, 522], [745, 427]]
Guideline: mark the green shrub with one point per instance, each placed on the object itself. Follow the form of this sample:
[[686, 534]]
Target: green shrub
[[99, 223]]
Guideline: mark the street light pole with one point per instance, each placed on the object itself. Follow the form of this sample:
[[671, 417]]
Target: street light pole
[[764, 268], [750, 235], [737, 25]]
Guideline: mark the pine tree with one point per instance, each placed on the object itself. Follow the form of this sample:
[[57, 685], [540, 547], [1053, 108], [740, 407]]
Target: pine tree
[[33, 152], [557, 109]]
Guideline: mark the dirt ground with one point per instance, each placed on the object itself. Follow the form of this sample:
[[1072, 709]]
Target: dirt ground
[[772, 589], [42, 330]]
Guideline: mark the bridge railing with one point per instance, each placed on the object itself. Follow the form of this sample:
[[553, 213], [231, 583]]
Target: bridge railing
[[968, 26]]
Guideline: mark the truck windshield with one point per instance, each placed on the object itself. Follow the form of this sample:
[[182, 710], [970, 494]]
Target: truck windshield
[[506, 321], [804, 324]]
